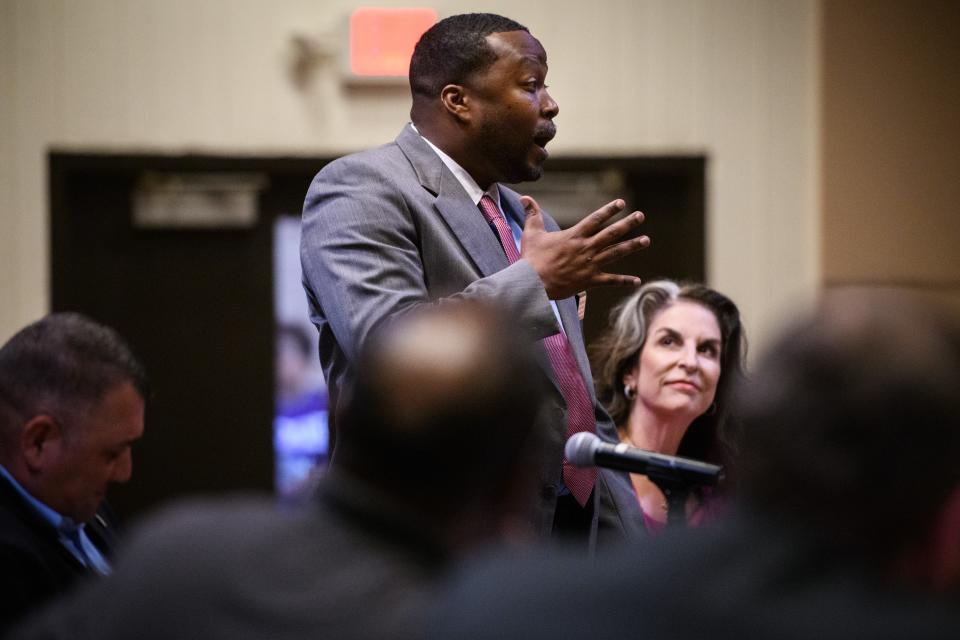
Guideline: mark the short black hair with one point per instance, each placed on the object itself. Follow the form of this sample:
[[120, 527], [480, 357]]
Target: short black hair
[[63, 362], [453, 49]]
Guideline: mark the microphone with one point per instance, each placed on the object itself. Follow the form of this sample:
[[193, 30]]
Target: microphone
[[587, 450]]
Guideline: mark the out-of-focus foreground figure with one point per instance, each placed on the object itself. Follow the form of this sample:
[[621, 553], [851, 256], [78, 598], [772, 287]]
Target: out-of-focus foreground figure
[[848, 522], [434, 460]]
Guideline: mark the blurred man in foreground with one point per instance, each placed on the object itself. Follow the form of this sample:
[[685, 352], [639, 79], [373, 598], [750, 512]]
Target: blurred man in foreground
[[849, 518], [435, 460], [71, 406]]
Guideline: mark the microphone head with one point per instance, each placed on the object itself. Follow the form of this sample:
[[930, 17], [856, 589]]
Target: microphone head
[[580, 449]]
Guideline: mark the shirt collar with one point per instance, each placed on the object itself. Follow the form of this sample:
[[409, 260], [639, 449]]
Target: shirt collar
[[59, 522], [465, 179]]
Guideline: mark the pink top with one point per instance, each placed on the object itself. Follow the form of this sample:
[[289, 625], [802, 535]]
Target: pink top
[[705, 513]]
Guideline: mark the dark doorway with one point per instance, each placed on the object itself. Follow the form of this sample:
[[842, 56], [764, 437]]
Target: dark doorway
[[197, 304]]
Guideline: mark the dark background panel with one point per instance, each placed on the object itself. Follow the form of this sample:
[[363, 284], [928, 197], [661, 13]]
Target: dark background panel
[[670, 192], [197, 305]]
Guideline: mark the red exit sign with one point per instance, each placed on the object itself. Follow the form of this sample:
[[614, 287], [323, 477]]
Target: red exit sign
[[382, 40]]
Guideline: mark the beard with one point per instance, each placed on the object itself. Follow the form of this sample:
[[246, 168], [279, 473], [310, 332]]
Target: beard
[[508, 154]]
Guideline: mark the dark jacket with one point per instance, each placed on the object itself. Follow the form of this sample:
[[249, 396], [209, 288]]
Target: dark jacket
[[35, 567]]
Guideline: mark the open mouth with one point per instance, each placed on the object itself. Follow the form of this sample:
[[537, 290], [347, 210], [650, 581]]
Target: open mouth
[[544, 136]]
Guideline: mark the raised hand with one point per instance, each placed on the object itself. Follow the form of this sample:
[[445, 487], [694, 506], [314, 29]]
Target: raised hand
[[569, 261]]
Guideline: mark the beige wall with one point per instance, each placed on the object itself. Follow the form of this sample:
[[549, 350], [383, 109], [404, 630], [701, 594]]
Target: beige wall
[[891, 145], [735, 79]]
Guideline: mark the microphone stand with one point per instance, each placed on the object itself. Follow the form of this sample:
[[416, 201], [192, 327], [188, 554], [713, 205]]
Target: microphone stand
[[674, 476], [677, 493]]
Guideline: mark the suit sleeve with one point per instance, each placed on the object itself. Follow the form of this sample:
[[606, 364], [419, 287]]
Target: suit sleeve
[[361, 252]]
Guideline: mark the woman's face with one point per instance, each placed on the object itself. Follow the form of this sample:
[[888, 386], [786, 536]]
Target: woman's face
[[679, 365]]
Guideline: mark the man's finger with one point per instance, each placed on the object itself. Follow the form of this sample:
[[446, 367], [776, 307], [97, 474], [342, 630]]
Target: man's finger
[[534, 220], [529, 205], [614, 280], [621, 249], [595, 221], [612, 234]]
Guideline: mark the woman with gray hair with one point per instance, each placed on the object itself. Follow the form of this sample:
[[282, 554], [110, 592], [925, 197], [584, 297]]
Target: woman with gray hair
[[665, 371]]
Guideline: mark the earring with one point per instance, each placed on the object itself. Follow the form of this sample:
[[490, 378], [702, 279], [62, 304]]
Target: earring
[[629, 392]]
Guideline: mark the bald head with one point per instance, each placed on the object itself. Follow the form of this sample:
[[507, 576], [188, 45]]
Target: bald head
[[443, 407], [438, 365]]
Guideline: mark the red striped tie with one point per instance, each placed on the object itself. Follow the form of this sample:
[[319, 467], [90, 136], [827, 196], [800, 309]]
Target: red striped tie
[[580, 415]]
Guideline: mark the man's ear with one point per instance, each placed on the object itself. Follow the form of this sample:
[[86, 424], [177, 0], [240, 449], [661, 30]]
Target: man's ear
[[38, 438], [455, 101]]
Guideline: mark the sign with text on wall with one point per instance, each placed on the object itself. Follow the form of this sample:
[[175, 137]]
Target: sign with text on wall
[[163, 200]]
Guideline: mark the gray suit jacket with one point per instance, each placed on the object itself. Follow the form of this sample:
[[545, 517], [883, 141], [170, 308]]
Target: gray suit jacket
[[388, 229]]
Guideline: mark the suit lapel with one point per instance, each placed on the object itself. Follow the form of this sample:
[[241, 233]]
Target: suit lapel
[[571, 324], [467, 223], [461, 215], [43, 536]]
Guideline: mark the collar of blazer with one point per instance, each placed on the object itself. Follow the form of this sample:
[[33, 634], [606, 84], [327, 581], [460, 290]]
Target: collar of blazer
[[461, 215]]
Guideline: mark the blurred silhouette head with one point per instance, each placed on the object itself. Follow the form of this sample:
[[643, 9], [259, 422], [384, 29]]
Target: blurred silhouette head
[[850, 428], [71, 405], [442, 414]]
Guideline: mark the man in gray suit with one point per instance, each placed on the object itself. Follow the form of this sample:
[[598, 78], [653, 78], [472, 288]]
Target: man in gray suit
[[397, 227]]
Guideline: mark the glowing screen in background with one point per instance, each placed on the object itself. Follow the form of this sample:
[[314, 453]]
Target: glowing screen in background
[[300, 433]]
